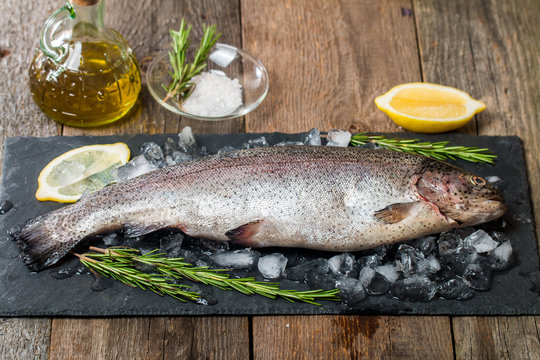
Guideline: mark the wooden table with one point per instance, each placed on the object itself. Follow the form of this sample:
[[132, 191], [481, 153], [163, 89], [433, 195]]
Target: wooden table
[[327, 61]]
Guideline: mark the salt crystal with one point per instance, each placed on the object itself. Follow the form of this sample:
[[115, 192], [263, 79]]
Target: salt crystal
[[214, 95]]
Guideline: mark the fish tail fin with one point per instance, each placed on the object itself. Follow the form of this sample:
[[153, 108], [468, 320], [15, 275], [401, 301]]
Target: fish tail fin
[[41, 241]]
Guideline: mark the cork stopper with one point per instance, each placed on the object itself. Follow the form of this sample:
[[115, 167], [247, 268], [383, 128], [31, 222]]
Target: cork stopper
[[84, 2]]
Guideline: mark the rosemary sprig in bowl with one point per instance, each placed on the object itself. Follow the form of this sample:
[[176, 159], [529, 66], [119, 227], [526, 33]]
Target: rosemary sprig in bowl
[[120, 264], [437, 150], [184, 71]]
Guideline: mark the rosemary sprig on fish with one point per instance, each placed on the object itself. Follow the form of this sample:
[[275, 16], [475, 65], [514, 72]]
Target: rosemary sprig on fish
[[120, 264], [325, 198], [437, 150]]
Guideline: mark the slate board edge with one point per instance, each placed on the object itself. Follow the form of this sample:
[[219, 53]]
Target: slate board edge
[[208, 310]]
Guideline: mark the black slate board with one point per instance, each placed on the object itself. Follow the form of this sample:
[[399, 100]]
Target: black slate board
[[39, 294]]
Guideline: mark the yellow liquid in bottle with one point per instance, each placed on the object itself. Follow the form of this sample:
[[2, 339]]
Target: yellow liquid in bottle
[[95, 84]]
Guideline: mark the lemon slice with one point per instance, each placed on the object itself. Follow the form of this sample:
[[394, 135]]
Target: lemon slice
[[69, 175], [428, 108]]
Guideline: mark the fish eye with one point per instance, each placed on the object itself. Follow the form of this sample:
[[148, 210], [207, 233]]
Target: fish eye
[[477, 180]]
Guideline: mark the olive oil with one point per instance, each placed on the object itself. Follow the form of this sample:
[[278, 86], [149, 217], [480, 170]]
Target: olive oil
[[84, 73], [95, 85]]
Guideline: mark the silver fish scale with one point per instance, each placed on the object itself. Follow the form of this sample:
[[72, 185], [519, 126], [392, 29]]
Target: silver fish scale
[[300, 196]]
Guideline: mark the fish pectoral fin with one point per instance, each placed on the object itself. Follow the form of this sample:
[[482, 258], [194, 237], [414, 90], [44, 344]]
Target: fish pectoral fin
[[395, 213], [134, 230], [245, 235]]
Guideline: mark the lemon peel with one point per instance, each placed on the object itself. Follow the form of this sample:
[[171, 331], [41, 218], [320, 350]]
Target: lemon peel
[[87, 168], [428, 108]]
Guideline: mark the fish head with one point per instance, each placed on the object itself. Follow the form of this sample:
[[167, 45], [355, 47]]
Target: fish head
[[460, 196]]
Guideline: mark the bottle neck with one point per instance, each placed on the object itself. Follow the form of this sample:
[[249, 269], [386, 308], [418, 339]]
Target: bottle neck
[[89, 12]]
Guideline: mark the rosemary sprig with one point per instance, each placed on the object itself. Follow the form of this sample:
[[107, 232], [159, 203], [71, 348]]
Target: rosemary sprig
[[119, 263], [183, 72], [436, 150]]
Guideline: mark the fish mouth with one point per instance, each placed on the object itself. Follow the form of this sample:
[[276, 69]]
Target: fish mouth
[[483, 212]]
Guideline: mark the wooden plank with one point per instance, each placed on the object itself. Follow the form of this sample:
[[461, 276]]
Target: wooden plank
[[327, 61], [352, 337], [489, 48], [24, 338], [145, 26], [150, 338], [497, 337], [21, 25]]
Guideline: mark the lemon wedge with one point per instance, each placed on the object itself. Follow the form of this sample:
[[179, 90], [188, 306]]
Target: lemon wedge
[[428, 108], [69, 175]]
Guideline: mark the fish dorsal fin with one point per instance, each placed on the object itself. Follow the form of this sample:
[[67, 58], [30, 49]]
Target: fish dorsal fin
[[394, 213], [245, 235]]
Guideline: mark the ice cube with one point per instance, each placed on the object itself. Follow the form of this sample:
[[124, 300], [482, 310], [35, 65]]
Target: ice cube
[[238, 259], [352, 290], [389, 271], [223, 56], [425, 244], [415, 288], [256, 143], [111, 239], [366, 275], [459, 258], [313, 137], [448, 243], [186, 141], [300, 272], [496, 182], [339, 138], [410, 260], [179, 157], [492, 179], [170, 145], [501, 257], [289, 143], [464, 232], [454, 289], [170, 245], [477, 277], [481, 241], [152, 152], [342, 264], [272, 266], [135, 167], [378, 285], [369, 260], [433, 264], [226, 149]]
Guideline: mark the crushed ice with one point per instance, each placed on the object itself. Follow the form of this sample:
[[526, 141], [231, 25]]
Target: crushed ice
[[450, 265]]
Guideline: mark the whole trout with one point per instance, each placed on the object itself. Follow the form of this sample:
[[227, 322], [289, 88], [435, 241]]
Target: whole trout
[[326, 198]]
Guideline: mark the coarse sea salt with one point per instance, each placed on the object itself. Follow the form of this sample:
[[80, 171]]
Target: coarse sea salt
[[214, 95]]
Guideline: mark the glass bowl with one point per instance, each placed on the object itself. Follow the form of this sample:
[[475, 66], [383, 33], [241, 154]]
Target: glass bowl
[[223, 59]]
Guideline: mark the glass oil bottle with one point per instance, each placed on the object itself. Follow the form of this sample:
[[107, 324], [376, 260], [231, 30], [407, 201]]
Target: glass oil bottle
[[85, 74]]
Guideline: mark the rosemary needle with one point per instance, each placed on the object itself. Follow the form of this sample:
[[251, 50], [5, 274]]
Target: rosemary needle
[[119, 263], [437, 150], [182, 71]]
